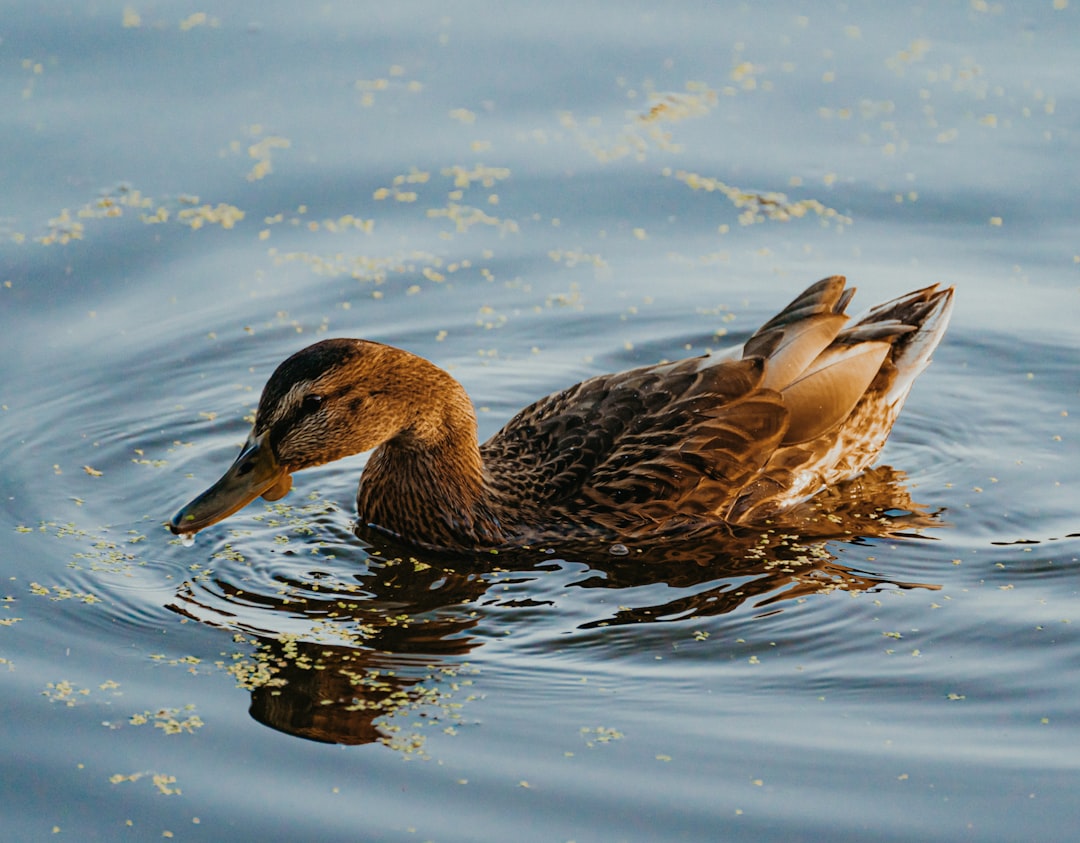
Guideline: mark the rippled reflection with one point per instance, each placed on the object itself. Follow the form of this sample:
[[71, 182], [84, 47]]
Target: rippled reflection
[[342, 640]]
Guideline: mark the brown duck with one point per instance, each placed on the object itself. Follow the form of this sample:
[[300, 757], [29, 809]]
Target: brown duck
[[734, 438]]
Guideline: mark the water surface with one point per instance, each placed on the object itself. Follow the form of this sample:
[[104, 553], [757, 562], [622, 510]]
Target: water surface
[[527, 197]]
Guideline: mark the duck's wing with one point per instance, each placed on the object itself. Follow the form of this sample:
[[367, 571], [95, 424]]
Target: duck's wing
[[820, 379], [809, 402], [682, 439], [648, 443]]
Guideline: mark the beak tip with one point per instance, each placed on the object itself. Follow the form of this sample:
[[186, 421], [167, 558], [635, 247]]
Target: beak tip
[[255, 472], [177, 522]]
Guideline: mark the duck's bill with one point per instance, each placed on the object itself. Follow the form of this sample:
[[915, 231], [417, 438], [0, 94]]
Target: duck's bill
[[255, 473]]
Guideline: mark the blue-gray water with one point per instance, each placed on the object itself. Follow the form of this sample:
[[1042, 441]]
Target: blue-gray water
[[509, 190]]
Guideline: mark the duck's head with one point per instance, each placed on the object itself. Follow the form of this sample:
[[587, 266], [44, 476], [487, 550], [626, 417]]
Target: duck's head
[[330, 400]]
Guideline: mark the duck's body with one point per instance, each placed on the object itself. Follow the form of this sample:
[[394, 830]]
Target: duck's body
[[732, 438]]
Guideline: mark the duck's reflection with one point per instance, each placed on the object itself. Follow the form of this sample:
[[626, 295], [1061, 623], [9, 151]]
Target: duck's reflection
[[332, 655], [343, 654], [334, 694]]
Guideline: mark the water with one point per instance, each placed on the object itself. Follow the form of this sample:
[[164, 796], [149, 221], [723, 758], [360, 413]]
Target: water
[[480, 185]]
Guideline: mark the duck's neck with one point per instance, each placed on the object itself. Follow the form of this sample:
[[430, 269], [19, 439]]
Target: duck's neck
[[427, 485]]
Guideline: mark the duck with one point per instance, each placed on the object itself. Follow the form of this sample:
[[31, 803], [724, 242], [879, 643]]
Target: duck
[[727, 440]]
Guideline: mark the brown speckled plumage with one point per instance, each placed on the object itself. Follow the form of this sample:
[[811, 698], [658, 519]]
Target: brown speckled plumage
[[726, 439]]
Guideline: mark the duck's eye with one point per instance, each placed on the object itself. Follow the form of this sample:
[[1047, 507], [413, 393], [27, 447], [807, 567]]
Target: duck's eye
[[310, 404]]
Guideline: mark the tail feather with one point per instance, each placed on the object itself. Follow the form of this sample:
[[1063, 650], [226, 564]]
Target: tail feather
[[918, 321], [843, 404]]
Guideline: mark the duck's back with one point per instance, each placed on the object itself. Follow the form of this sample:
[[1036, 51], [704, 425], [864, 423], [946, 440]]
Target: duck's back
[[807, 402]]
